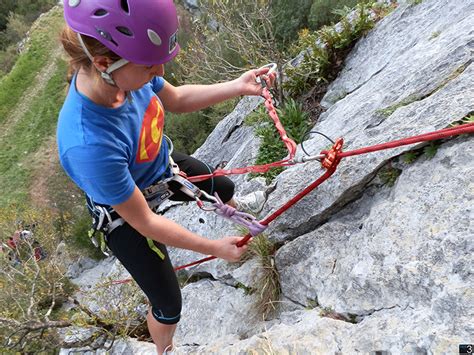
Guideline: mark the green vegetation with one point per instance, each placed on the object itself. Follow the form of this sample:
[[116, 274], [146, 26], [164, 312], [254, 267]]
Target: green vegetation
[[311, 304], [26, 136], [189, 131], [435, 34], [324, 48], [431, 149], [31, 290], [16, 17], [410, 157], [325, 12], [388, 111], [296, 123], [389, 175], [467, 119], [37, 55]]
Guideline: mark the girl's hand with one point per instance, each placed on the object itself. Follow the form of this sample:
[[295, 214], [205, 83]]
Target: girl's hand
[[249, 85], [226, 248]]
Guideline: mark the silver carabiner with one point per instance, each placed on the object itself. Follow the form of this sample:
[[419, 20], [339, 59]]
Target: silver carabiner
[[209, 197], [273, 67]]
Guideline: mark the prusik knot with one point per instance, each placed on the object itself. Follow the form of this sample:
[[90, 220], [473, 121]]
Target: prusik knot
[[332, 158], [244, 219]]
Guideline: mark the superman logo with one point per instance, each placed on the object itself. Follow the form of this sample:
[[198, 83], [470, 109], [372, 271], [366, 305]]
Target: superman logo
[[151, 133]]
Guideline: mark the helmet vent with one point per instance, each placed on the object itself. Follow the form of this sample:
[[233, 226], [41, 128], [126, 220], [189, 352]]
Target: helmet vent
[[125, 30], [124, 5], [100, 13], [74, 3], [106, 35], [154, 37]]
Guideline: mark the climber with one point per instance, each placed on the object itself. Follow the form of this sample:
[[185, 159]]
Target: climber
[[110, 140]]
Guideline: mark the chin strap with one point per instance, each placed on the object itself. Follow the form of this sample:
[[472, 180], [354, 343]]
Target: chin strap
[[106, 75]]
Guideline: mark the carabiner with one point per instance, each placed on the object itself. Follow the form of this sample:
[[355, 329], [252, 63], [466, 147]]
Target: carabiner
[[273, 67], [208, 197]]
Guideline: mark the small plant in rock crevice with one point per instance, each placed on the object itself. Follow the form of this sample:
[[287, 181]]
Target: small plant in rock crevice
[[389, 175], [431, 149]]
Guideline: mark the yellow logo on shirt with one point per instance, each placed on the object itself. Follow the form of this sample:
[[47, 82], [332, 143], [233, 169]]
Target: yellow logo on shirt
[[152, 132]]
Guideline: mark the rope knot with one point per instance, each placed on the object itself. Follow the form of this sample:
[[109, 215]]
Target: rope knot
[[244, 219], [226, 210], [332, 159]]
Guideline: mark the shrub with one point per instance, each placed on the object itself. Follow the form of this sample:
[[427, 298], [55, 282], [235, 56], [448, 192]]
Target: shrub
[[32, 288], [322, 12], [324, 49]]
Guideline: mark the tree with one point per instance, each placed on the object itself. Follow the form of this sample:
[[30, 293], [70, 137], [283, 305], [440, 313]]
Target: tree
[[230, 38]]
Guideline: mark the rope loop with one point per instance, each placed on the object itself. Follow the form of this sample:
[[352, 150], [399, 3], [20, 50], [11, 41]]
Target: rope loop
[[244, 219], [332, 156]]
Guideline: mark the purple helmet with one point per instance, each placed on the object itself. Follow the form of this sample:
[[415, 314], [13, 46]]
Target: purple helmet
[[140, 31]]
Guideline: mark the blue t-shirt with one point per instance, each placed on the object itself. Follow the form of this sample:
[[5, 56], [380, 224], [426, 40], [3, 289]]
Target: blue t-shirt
[[107, 151]]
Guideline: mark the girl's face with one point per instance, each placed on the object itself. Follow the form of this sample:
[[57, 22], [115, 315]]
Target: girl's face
[[133, 76]]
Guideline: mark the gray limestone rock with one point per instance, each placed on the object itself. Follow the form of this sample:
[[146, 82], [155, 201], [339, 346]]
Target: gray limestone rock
[[395, 260], [212, 310], [441, 90]]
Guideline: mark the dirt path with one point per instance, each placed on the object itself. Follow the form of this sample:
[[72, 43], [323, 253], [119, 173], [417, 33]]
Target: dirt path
[[45, 161], [41, 80], [44, 168]]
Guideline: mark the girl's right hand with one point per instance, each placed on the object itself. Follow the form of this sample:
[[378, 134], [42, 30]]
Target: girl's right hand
[[226, 248]]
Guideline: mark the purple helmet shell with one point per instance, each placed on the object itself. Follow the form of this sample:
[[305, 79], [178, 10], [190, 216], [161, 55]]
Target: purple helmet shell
[[140, 31]]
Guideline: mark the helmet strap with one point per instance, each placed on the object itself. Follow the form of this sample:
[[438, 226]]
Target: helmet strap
[[106, 75]]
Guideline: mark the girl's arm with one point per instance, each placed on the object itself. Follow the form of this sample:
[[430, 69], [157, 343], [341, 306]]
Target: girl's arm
[[137, 213], [190, 98]]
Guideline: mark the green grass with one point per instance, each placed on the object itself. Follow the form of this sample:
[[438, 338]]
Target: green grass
[[43, 40], [27, 136]]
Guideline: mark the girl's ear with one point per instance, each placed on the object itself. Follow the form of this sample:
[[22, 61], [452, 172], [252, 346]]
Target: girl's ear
[[101, 63]]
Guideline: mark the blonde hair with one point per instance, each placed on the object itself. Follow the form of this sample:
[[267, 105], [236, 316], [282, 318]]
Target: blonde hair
[[77, 57]]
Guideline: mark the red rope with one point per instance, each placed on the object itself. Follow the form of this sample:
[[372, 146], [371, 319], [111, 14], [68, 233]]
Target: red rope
[[331, 168], [289, 143], [332, 160], [333, 157], [430, 136]]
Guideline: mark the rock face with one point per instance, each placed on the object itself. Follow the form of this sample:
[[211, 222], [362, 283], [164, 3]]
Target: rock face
[[391, 258], [378, 258]]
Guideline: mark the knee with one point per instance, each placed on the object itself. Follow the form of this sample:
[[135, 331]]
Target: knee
[[225, 188], [169, 315]]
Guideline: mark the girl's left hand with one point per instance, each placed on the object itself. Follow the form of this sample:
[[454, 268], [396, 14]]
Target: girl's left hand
[[249, 84]]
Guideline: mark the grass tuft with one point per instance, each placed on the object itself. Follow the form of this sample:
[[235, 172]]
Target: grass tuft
[[267, 288]]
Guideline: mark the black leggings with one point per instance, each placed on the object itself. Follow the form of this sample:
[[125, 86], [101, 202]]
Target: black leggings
[[154, 275]]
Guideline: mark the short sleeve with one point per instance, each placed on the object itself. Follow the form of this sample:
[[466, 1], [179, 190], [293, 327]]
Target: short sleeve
[[157, 84], [100, 172]]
